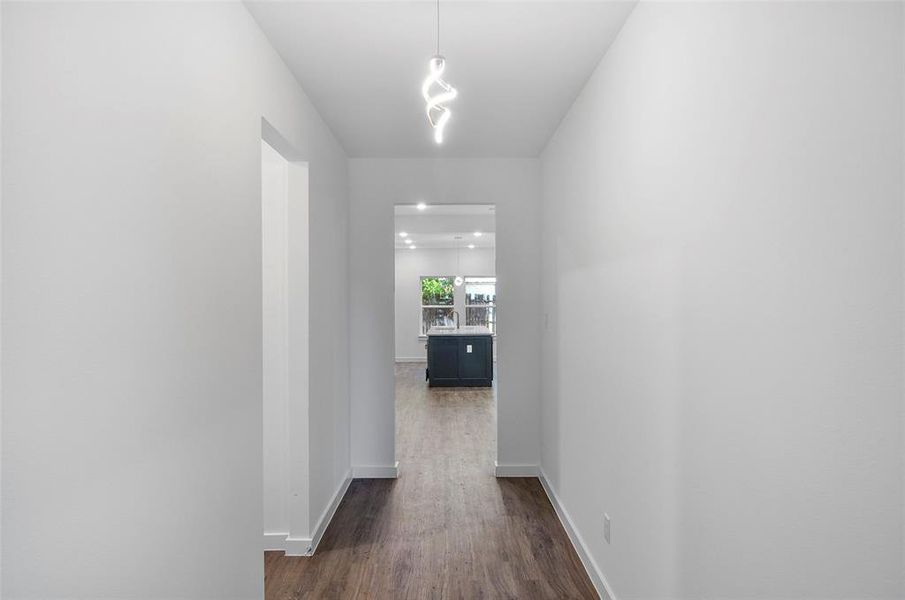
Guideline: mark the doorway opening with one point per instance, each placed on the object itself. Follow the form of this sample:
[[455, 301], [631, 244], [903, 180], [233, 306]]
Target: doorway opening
[[285, 322], [446, 337]]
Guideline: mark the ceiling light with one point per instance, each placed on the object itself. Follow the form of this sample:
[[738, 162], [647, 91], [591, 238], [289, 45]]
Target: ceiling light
[[471, 246], [413, 247], [408, 241], [421, 206], [437, 112], [403, 234], [478, 234]]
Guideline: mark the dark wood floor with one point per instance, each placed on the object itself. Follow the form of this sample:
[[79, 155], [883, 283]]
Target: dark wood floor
[[447, 528]]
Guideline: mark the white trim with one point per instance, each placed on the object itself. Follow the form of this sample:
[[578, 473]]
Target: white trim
[[297, 546], [376, 471], [290, 546], [516, 470], [275, 541], [306, 546], [327, 516], [590, 565]]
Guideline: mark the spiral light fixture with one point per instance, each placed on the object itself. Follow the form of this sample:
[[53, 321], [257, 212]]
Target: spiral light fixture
[[438, 113]]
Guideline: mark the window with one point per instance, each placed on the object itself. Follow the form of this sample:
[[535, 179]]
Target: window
[[437, 302], [480, 302]]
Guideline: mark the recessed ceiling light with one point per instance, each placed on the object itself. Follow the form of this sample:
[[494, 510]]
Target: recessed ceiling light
[[403, 234], [478, 234], [471, 246], [408, 241], [412, 247], [421, 206]]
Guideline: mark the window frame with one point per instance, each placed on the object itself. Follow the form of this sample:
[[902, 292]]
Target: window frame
[[456, 291], [421, 278], [492, 305]]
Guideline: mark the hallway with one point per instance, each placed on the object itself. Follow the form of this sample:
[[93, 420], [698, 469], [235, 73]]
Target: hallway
[[233, 233], [446, 528]]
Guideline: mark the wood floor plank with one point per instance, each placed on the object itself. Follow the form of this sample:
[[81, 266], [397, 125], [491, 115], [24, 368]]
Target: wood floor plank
[[447, 528]]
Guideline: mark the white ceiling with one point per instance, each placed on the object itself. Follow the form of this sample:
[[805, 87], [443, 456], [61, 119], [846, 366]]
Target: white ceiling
[[433, 241], [439, 226], [444, 210], [518, 67]]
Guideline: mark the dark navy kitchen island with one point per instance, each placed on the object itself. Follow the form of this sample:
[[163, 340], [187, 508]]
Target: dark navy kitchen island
[[460, 357]]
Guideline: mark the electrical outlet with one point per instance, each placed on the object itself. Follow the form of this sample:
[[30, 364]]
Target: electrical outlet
[[606, 527]]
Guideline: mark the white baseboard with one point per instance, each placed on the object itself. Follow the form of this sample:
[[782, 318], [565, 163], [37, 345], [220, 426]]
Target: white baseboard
[[306, 546], [297, 546], [327, 516], [291, 546], [590, 565], [411, 359], [376, 471], [275, 541], [516, 470]]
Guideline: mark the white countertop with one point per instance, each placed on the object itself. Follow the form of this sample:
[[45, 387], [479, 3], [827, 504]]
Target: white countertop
[[467, 330]]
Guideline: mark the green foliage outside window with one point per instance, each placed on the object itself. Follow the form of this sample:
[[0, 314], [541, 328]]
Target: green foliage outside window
[[437, 291]]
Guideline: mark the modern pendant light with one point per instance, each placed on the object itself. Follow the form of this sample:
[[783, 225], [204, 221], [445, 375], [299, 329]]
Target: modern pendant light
[[437, 112], [459, 280]]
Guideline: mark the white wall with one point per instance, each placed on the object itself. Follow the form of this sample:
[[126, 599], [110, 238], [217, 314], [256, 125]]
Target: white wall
[[411, 265], [723, 276], [275, 347], [285, 298], [1, 303], [303, 514], [513, 185], [132, 430]]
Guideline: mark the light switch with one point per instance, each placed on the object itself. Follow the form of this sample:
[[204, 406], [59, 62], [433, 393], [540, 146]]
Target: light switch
[[468, 348]]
